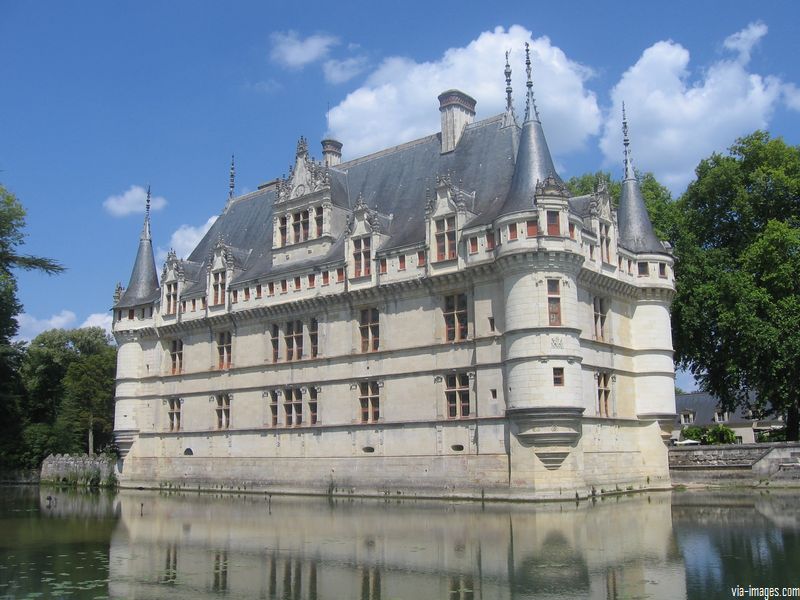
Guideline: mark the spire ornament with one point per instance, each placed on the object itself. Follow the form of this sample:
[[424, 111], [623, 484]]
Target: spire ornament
[[233, 179], [626, 142], [147, 204], [509, 102], [530, 101]]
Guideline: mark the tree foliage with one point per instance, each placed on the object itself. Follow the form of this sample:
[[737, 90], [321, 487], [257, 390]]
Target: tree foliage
[[736, 316]]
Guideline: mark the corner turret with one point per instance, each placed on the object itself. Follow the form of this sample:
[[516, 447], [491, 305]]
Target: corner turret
[[143, 285]]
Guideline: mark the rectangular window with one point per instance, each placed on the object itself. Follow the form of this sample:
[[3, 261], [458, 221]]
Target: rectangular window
[[491, 323], [446, 238], [644, 269], [183, 306], [553, 226], [246, 294], [258, 290], [600, 315], [455, 317], [370, 338], [293, 339], [224, 350], [297, 285], [312, 280], [421, 258], [174, 414], [340, 274], [304, 226], [558, 376], [273, 408], [219, 288], [284, 286], [457, 394], [176, 356], [223, 411], [603, 394], [382, 266], [326, 277], [662, 270], [532, 228], [318, 221], [296, 228], [401, 262], [490, 240], [370, 401], [312, 405], [203, 303], [194, 304], [572, 231], [234, 296], [630, 267], [282, 231], [293, 407], [473, 244], [275, 342], [605, 243], [720, 416], [271, 288], [591, 252], [512, 231], [361, 257], [554, 301], [313, 337], [172, 298]]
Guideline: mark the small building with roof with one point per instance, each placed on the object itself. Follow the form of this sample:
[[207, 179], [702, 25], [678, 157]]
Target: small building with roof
[[439, 318], [701, 409]]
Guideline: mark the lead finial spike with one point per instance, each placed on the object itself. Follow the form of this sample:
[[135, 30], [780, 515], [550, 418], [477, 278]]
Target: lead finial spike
[[530, 101], [233, 178], [147, 204], [509, 102], [626, 143]]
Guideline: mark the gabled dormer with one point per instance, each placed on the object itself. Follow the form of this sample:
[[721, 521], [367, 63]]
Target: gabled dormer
[[603, 223], [447, 210], [221, 266], [172, 283], [303, 221], [364, 235]]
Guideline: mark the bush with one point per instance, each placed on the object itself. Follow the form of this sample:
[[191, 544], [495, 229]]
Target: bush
[[718, 434]]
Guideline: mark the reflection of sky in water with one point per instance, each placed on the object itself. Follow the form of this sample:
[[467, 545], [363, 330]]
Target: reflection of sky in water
[[154, 546]]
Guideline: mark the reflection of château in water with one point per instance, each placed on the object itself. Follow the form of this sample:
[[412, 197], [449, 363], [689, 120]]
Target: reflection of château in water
[[197, 546]]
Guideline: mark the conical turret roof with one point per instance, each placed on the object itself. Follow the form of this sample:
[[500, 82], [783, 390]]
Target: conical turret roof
[[143, 285], [534, 163], [635, 228]]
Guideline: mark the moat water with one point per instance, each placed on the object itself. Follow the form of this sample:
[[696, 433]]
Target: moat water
[[132, 545]]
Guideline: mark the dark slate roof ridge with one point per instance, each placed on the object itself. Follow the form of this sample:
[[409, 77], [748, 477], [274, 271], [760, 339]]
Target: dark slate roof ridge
[[343, 166]]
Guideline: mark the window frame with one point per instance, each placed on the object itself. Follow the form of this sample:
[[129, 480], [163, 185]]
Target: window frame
[[457, 396], [369, 401], [455, 311]]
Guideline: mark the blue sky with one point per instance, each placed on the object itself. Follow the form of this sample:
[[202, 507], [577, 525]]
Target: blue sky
[[99, 99]]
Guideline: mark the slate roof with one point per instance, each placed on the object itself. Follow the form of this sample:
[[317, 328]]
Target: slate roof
[[635, 229], [704, 405], [143, 285]]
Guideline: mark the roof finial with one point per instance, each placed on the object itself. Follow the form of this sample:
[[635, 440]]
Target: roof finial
[[509, 102], [233, 179], [147, 204], [629, 173], [530, 101]]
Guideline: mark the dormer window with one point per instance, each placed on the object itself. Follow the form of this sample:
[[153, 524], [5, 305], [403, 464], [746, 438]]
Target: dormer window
[[605, 243], [446, 238], [300, 226], [318, 221], [721, 416], [687, 418], [219, 287], [553, 226], [172, 298], [282, 231], [361, 256]]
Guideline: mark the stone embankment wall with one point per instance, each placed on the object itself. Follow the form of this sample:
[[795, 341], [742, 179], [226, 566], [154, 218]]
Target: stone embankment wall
[[82, 470], [736, 464]]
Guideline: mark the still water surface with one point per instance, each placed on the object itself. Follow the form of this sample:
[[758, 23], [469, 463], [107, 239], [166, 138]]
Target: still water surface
[[59, 544]]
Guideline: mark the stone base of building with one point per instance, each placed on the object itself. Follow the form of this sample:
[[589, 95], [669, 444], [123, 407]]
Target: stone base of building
[[608, 456]]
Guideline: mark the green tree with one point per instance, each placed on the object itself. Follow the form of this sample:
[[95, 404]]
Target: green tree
[[87, 410], [12, 223], [736, 315]]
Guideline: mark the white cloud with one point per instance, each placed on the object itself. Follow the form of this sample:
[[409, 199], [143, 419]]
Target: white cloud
[[676, 120], [30, 326], [791, 96], [184, 239], [132, 201], [398, 102], [294, 52], [102, 320], [743, 41], [339, 71]]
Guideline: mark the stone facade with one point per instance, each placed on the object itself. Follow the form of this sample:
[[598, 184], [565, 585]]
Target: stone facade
[[82, 470], [413, 322]]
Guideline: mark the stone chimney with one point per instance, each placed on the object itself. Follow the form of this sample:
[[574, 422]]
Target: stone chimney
[[458, 111], [331, 152]]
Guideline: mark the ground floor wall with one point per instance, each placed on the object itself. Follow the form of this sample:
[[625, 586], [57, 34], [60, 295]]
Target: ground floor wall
[[477, 458]]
